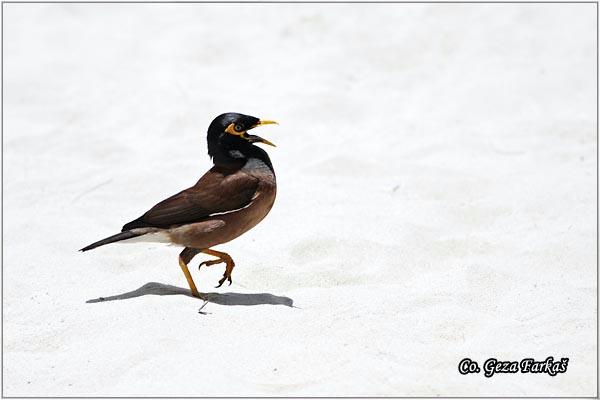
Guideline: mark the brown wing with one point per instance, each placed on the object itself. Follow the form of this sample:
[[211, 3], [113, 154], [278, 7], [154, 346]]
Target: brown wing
[[219, 190]]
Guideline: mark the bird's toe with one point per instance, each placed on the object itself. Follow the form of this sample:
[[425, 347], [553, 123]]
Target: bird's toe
[[226, 277], [208, 263]]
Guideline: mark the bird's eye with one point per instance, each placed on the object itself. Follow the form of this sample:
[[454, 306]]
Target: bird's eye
[[238, 128]]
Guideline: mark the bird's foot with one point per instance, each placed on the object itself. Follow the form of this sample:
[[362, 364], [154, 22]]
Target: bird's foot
[[222, 258], [223, 279], [227, 275]]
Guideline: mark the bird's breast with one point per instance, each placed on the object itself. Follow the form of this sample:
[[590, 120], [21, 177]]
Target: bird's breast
[[226, 226]]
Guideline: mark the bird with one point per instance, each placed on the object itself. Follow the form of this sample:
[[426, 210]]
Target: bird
[[231, 198]]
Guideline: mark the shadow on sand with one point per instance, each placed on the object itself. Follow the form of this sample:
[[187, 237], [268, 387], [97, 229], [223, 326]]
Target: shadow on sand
[[228, 299]]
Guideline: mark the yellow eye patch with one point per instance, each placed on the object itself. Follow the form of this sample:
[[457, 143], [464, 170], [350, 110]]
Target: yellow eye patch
[[232, 131]]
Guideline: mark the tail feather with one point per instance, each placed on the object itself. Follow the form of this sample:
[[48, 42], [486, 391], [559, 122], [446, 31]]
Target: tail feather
[[111, 239]]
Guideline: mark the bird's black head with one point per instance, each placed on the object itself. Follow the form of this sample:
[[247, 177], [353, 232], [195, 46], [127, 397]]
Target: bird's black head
[[228, 136]]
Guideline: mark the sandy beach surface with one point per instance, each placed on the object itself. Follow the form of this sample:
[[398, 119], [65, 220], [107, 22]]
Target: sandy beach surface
[[436, 171]]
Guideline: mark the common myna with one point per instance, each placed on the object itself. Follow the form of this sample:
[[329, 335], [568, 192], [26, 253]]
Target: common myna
[[231, 198]]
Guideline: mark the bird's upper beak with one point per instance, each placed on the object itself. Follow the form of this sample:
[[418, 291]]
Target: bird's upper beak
[[258, 139]]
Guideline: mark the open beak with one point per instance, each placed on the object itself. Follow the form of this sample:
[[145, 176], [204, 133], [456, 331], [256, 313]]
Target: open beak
[[258, 139]]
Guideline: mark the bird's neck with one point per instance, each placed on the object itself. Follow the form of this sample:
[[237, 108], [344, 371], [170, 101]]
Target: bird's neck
[[238, 157]]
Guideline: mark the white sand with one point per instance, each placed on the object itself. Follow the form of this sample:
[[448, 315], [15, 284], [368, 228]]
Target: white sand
[[436, 169]]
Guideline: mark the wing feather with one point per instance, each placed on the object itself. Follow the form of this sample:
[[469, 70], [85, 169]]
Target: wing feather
[[219, 190]]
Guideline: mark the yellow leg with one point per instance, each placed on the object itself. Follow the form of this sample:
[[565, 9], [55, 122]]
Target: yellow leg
[[188, 276]]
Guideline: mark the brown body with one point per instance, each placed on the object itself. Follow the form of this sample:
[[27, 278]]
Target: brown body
[[226, 226]]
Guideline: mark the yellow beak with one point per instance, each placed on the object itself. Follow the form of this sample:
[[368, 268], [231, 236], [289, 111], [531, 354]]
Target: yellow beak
[[265, 141], [261, 123], [266, 122]]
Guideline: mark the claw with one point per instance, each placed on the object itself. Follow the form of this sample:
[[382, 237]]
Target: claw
[[223, 279], [208, 263]]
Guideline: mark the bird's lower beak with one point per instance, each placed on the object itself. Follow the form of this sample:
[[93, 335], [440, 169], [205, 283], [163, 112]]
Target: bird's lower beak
[[258, 139]]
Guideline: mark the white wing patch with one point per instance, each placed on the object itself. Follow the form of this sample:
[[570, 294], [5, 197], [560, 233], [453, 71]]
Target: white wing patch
[[237, 209]]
